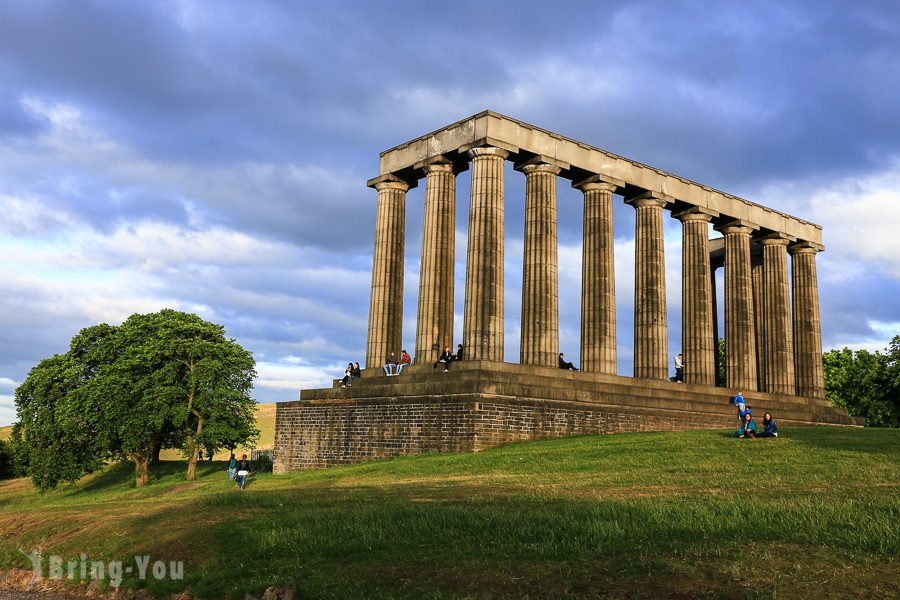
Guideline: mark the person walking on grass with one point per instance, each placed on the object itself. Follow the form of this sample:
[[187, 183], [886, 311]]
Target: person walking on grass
[[232, 466], [770, 428], [243, 469], [748, 427], [446, 357]]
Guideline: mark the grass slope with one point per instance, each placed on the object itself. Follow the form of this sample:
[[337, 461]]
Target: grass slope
[[688, 514]]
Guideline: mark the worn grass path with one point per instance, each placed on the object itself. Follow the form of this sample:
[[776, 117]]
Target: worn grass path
[[815, 513]]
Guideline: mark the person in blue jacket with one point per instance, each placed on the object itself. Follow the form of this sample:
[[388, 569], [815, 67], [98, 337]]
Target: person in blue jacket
[[748, 427], [739, 402], [770, 428]]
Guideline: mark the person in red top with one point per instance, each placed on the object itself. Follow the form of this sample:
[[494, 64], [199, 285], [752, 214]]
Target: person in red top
[[405, 359]]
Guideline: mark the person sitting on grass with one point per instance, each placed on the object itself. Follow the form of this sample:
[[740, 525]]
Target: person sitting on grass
[[748, 427], [563, 364], [446, 357], [770, 428], [243, 469], [405, 359]]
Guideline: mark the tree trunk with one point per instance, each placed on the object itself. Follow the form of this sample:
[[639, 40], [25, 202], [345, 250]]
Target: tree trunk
[[141, 468], [157, 448], [192, 458]]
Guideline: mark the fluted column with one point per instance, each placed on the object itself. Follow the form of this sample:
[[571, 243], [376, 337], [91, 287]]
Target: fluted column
[[434, 325], [697, 343], [809, 373], [650, 328], [598, 280], [778, 344], [759, 320], [740, 351], [386, 302], [540, 268], [483, 316]]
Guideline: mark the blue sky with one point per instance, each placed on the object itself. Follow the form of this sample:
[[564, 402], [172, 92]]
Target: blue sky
[[212, 156]]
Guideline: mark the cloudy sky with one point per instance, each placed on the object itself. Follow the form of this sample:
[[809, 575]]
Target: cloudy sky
[[212, 156]]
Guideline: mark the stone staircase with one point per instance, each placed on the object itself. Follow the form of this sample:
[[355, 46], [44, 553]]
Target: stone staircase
[[507, 381]]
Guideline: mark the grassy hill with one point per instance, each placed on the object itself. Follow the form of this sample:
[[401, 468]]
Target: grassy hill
[[815, 513], [265, 421]]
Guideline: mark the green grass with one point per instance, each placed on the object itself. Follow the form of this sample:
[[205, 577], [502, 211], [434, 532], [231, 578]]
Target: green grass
[[689, 514]]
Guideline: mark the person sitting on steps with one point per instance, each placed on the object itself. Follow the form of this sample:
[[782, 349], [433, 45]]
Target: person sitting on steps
[[405, 359], [357, 372], [348, 376], [446, 357], [565, 365], [679, 369], [459, 352], [390, 367]]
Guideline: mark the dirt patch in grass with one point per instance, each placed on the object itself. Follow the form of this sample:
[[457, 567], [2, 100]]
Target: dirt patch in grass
[[183, 487]]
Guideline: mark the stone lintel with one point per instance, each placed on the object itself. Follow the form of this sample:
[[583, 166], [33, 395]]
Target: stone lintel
[[391, 178], [490, 128], [598, 178], [696, 210], [541, 159]]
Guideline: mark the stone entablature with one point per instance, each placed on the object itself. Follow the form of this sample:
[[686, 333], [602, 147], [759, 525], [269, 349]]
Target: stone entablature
[[577, 162]]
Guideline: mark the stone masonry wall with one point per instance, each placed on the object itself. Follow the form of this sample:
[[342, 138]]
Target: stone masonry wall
[[316, 435]]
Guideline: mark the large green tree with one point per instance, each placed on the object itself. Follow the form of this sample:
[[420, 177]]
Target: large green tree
[[867, 384], [167, 379]]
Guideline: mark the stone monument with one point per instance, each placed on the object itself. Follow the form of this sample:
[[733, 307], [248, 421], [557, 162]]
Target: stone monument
[[772, 327]]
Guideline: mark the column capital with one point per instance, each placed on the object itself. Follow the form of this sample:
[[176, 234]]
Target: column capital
[[650, 199], [488, 151], [738, 226], [597, 182], [541, 167], [438, 167], [696, 213], [776, 239], [398, 183], [804, 247]]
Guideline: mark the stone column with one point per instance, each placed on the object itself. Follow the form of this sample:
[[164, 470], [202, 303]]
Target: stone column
[[598, 279], [650, 328], [540, 272], [778, 344], [483, 316], [759, 311], [740, 353], [434, 326], [697, 345], [386, 303], [810, 378]]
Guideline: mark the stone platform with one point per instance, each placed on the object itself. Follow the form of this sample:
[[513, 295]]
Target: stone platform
[[482, 404]]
